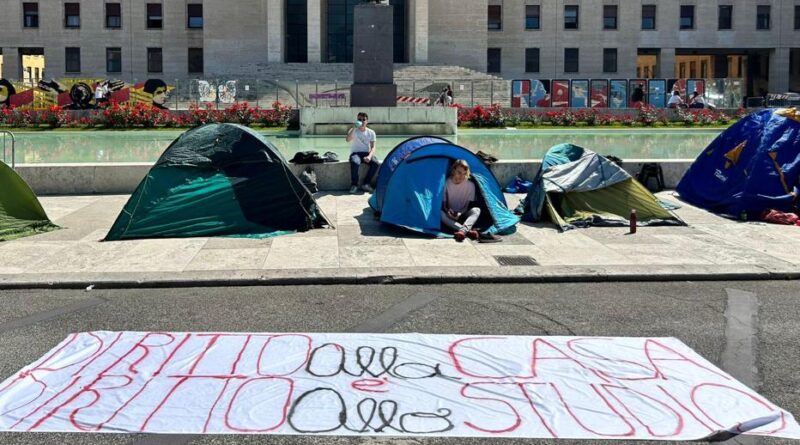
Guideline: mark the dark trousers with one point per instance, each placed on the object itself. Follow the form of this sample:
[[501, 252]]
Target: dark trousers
[[356, 159]]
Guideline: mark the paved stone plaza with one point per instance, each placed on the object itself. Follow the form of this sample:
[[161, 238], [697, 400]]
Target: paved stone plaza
[[361, 249]]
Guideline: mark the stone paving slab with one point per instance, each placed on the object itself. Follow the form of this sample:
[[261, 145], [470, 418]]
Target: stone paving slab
[[361, 250]]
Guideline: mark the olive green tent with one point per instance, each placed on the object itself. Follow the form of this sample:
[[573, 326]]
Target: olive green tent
[[218, 180], [576, 187], [21, 214]]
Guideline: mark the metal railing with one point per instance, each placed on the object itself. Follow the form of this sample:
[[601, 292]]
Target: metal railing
[[13, 147]]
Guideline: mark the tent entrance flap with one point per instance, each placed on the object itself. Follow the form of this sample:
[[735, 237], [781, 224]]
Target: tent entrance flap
[[415, 194]]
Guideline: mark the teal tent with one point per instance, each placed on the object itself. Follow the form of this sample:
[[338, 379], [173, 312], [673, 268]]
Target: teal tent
[[218, 180], [21, 214]]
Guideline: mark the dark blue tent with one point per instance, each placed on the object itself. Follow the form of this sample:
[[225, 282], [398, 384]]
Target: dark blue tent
[[752, 166], [414, 191]]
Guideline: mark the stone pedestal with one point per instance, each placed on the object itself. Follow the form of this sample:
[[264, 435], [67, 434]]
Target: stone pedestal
[[373, 57]]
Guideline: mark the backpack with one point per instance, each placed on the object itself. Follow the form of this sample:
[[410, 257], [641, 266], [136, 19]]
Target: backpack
[[309, 179], [306, 157], [651, 170]]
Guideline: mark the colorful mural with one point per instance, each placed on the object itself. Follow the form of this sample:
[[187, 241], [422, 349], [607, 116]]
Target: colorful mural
[[82, 94]]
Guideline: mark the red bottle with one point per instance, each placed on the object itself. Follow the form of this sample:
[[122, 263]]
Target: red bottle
[[633, 221]]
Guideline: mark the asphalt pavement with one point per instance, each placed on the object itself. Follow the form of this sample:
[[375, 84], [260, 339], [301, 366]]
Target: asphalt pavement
[[749, 329]]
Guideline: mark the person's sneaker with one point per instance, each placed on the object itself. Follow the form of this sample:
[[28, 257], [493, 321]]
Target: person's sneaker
[[353, 189], [472, 234], [367, 188], [489, 238], [459, 236]]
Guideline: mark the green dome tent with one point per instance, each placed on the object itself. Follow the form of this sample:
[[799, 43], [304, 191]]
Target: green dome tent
[[218, 180], [21, 214], [576, 187]]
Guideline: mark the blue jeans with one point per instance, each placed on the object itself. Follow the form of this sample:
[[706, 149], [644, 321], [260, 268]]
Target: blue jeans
[[355, 162]]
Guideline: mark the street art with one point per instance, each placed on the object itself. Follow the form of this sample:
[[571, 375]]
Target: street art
[[599, 93], [579, 94], [619, 94], [657, 93], [560, 94], [78, 94], [384, 384]]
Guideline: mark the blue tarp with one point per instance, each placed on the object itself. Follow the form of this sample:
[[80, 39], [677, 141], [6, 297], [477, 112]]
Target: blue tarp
[[415, 191], [752, 166]]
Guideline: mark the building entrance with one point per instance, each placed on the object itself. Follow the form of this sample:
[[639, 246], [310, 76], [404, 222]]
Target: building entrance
[[340, 30]]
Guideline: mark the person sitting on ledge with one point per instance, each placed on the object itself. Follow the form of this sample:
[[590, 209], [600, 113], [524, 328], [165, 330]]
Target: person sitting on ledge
[[362, 143]]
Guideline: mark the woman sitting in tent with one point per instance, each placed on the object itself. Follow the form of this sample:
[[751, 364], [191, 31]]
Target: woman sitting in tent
[[458, 210]]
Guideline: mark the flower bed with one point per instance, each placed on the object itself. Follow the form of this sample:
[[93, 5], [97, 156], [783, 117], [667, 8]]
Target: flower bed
[[144, 116]]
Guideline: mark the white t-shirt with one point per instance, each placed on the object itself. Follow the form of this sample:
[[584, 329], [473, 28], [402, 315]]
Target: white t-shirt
[[458, 196], [675, 100], [361, 140]]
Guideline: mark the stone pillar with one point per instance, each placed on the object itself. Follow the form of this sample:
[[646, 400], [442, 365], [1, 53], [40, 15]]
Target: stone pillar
[[779, 70], [666, 63], [275, 31], [373, 51], [418, 16], [12, 63], [314, 31]]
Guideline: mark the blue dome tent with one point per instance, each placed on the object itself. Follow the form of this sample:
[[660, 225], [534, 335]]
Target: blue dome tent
[[752, 166], [414, 190]]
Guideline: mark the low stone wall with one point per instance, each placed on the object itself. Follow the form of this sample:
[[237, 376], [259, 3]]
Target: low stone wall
[[123, 178], [384, 120]]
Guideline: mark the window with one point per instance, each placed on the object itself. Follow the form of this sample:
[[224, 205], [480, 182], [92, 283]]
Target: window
[[532, 17], [725, 17], [155, 17], [571, 17], [495, 17], [703, 69], [610, 17], [493, 60], [195, 14], [762, 17], [796, 16], [687, 16], [155, 60], [648, 16], [609, 60], [113, 16], [692, 69], [30, 15], [297, 32], [114, 60], [195, 60], [72, 15], [571, 60], [72, 60], [531, 60]]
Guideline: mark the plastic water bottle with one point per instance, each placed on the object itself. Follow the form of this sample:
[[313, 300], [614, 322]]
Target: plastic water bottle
[[633, 221]]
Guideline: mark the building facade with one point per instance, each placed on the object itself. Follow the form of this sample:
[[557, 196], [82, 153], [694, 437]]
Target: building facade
[[758, 40]]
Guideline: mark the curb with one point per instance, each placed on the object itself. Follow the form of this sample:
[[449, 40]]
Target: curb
[[448, 275]]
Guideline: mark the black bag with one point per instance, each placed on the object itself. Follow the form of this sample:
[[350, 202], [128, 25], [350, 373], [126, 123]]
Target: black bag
[[309, 179], [330, 156], [487, 158], [649, 171], [306, 157]]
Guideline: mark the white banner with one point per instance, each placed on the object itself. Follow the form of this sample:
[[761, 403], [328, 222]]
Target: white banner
[[366, 384]]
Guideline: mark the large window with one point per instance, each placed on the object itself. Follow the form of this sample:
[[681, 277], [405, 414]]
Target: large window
[[195, 60], [113, 15], [30, 15], [494, 63], [400, 51], [155, 60], [610, 17], [114, 60], [762, 16], [609, 60], [532, 17], [648, 16], [725, 17], [571, 17], [571, 56], [72, 60], [495, 17], [531, 60], [194, 14], [155, 16], [687, 16], [796, 16], [296, 31], [72, 15]]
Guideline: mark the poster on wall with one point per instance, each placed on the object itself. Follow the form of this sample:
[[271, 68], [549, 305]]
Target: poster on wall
[[83, 94], [580, 94], [637, 89], [540, 93], [560, 93], [599, 93], [698, 85], [520, 93], [657, 93], [618, 96]]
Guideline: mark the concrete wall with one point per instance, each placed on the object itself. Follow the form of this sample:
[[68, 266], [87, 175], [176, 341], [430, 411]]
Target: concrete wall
[[457, 33], [385, 121]]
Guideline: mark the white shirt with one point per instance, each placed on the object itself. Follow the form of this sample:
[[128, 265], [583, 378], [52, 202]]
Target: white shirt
[[361, 140], [458, 196], [675, 100]]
